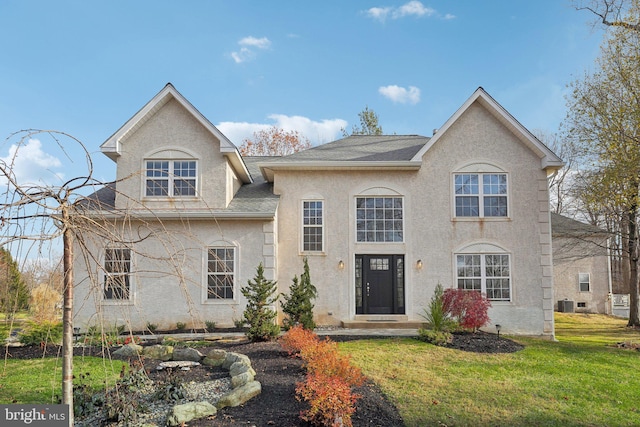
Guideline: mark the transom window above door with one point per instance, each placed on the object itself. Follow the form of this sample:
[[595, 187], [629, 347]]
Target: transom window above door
[[481, 195], [170, 178], [379, 219]]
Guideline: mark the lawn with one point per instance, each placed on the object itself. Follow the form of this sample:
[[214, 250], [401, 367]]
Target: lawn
[[580, 380]]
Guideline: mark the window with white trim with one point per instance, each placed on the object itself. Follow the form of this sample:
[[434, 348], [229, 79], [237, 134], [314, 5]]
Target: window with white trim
[[221, 271], [117, 272], [379, 219], [584, 282], [487, 273], [170, 178], [312, 226], [480, 194]]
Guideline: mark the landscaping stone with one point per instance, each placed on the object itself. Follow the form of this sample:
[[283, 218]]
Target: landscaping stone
[[240, 367], [172, 364], [129, 350], [215, 358], [240, 395], [242, 379], [190, 354], [190, 411], [232, 358], [159, 352]]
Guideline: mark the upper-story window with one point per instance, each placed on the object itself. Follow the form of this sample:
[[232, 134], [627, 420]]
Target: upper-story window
[[379, 219], [170, 178], [312, 226], [480, 195]]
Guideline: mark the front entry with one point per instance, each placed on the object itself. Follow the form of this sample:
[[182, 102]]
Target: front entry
[[379, 284]]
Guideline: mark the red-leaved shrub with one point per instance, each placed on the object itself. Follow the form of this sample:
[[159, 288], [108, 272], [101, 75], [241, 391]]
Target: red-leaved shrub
[[330, 378], [469, 307]]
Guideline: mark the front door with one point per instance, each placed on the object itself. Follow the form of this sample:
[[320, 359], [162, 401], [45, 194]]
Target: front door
[[379, 284]]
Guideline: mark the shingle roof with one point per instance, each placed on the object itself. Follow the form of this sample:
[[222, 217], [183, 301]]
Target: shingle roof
[[562, 225], [365, 148]]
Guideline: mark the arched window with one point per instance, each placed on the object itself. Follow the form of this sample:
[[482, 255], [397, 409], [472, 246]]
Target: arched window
[[485, 268]]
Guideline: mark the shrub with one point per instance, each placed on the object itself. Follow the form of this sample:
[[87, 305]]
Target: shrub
[[437, 315], [298, 305], [210, 325], [330, 398], [152, 327], [181, 326], [44, 332], [259, 313], [43, 303], [323, 358], [440, 338], [298, 338], [469, 307]]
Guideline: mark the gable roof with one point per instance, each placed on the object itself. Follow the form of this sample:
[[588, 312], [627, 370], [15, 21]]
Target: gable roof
[[112, 146], [564, 226], [548, 160], [353, 152]]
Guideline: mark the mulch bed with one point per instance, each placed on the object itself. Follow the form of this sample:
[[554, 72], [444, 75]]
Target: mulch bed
[[278, 373]]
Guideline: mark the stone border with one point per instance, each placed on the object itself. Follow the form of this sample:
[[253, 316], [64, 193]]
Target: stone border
[[244, 386]]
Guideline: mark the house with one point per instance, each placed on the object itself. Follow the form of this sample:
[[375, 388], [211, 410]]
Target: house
[[581, 270], [381, 219]]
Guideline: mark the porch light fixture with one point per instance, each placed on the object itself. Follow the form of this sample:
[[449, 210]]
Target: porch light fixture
[[498, 328], [341, 265], [419, 264]]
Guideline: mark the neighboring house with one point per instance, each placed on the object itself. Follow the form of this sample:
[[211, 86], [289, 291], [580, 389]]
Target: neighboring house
[[581, 273], [381, 219]]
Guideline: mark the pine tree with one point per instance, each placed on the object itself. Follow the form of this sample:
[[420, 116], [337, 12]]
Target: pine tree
[[298, 305], [14, 294], [260, 314]]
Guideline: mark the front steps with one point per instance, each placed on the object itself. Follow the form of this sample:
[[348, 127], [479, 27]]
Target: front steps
[[381, 322]]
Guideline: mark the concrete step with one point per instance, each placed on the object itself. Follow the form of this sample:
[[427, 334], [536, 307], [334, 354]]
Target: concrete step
[[381, 324]]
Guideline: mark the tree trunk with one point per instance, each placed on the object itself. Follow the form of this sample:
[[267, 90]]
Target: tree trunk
[[67, 318], [634, 312]]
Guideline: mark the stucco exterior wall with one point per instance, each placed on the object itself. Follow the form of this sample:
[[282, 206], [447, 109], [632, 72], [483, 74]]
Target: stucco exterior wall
[[573, 256], [431, 232], [168, 280]]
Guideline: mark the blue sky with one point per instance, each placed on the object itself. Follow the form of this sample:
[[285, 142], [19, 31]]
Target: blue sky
[[85, 67]]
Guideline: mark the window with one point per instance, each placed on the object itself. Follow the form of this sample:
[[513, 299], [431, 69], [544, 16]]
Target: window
[[583, 282], [170, 178], [487, 273], [312, 226], [220, 273], [481, 195], [117, 269], [582, 305], [379, 219]]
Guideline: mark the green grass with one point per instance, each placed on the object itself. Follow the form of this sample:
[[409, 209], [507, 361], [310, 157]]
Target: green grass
[[581, 380], [40, 380]]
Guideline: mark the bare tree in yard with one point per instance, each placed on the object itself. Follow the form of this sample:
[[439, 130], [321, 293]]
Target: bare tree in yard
[[604, 123], [36, 214], [274, 142]]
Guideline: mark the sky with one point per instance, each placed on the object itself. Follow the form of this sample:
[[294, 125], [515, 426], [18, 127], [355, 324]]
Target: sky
[[86, 67]]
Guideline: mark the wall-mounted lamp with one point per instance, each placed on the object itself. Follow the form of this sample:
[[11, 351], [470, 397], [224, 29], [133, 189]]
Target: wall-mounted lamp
[[498, 328], [341, 265], [419, 264]]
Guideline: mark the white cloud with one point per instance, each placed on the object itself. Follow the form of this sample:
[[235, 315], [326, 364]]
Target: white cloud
[[318, 132], [29, 164], [248, 44], [401, 95], [412, 8]]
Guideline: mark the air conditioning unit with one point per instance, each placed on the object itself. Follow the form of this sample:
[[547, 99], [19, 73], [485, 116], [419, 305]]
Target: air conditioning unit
[[565, 306]]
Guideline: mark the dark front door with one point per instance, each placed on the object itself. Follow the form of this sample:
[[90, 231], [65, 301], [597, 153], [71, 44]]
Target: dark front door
[[380, 284]]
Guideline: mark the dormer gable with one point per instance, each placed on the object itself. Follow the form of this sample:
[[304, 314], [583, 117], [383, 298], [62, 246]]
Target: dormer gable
[[112, 147], [549, 161]]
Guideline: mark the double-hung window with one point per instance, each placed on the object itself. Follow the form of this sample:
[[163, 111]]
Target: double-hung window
[[312, 226], [170, 178], [487, 273], [379, 219], [480, 194], [584, 282], [221, 271], [117, 272]]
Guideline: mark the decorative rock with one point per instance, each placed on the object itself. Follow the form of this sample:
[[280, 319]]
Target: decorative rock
[[172, 364], [129, 350], [242, 379], [187, 354], [158, 352], [240, 395], [240, 367], [215, 358], [190, 411], [232, 358]]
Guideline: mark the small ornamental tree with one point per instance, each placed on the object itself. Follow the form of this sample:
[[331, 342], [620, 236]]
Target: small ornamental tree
[[298, 305], [469, 307], [260, 312]]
